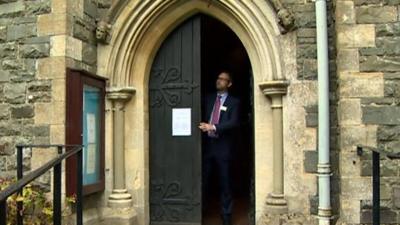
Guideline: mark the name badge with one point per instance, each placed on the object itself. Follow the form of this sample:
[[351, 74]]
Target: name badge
[[223, 108]]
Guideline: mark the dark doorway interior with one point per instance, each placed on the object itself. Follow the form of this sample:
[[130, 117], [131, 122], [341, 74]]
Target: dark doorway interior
[[222, 49]]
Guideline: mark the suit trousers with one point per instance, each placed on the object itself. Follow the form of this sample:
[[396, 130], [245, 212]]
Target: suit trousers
[[215, 163]]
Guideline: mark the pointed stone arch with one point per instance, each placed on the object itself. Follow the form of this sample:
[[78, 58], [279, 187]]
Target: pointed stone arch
[[286, 18], [139, 30], [142, 25]]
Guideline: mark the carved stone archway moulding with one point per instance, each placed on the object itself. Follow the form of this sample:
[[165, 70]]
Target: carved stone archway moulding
[[103, 31], [139, 28], [257, 23]]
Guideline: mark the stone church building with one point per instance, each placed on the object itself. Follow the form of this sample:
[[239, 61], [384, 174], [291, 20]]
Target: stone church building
[[126, 79]]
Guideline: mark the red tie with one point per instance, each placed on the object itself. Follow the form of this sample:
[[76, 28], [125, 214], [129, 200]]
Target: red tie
[[215, 113]]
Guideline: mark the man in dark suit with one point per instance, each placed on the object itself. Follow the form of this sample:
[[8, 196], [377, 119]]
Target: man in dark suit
[[222, 115]]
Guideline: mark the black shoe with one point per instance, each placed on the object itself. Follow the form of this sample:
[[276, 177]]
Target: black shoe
[[227, 220]]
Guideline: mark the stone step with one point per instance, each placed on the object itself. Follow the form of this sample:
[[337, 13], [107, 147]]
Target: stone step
[[107, 216]]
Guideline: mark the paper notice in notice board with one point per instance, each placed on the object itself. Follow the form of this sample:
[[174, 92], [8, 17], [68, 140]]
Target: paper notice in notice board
[[91, 159], [91, 127], [181, 122]]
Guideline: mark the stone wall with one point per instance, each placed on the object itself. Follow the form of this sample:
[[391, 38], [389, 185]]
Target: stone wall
[[39, 39], [22, 90], [84, 31], [303, 92], [368, 73], [364, 76], [382, 59]]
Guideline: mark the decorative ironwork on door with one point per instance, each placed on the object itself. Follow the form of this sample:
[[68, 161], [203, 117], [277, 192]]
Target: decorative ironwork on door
[[167, 87], [169, 203], [175, 161]]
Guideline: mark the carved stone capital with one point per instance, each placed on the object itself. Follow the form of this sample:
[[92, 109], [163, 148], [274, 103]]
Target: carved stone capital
[[120, 94], [274, 87]]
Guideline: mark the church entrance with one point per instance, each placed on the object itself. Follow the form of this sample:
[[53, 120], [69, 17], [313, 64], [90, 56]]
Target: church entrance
[[222, 49], [184, 71]]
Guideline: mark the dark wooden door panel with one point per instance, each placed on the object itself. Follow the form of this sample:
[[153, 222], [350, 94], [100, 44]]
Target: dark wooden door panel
[[175, 161]]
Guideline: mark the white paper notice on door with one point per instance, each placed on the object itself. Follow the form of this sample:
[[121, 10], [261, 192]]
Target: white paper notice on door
[[181, 122]]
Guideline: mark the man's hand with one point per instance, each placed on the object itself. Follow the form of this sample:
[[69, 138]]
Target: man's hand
[[206, 127]]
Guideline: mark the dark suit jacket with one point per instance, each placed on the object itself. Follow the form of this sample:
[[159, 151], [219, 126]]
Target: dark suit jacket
[[222, 145]]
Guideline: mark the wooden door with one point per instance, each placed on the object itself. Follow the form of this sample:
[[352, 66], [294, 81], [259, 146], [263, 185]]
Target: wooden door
[[175, 160]]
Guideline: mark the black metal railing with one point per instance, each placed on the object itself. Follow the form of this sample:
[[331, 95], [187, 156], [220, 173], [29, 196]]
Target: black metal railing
[[55, 163], [376, 182]]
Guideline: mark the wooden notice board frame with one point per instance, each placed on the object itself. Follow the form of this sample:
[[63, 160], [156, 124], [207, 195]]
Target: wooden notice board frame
[[75, 81]]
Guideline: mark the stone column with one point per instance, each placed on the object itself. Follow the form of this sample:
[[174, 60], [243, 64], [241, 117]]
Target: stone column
[[119, 198], [276, 202]]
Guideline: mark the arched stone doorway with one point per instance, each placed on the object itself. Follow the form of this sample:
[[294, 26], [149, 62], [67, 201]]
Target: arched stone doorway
[[183, 74], [137, 34]]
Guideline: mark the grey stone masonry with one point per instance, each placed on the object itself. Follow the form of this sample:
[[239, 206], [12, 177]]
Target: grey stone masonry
[[384, 111], [306, 38], [310, 161], [376, 14], [20, 88], [312, 116], [388, 29], [306, 58], [25, 39], [84, 29], [383, 115]]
